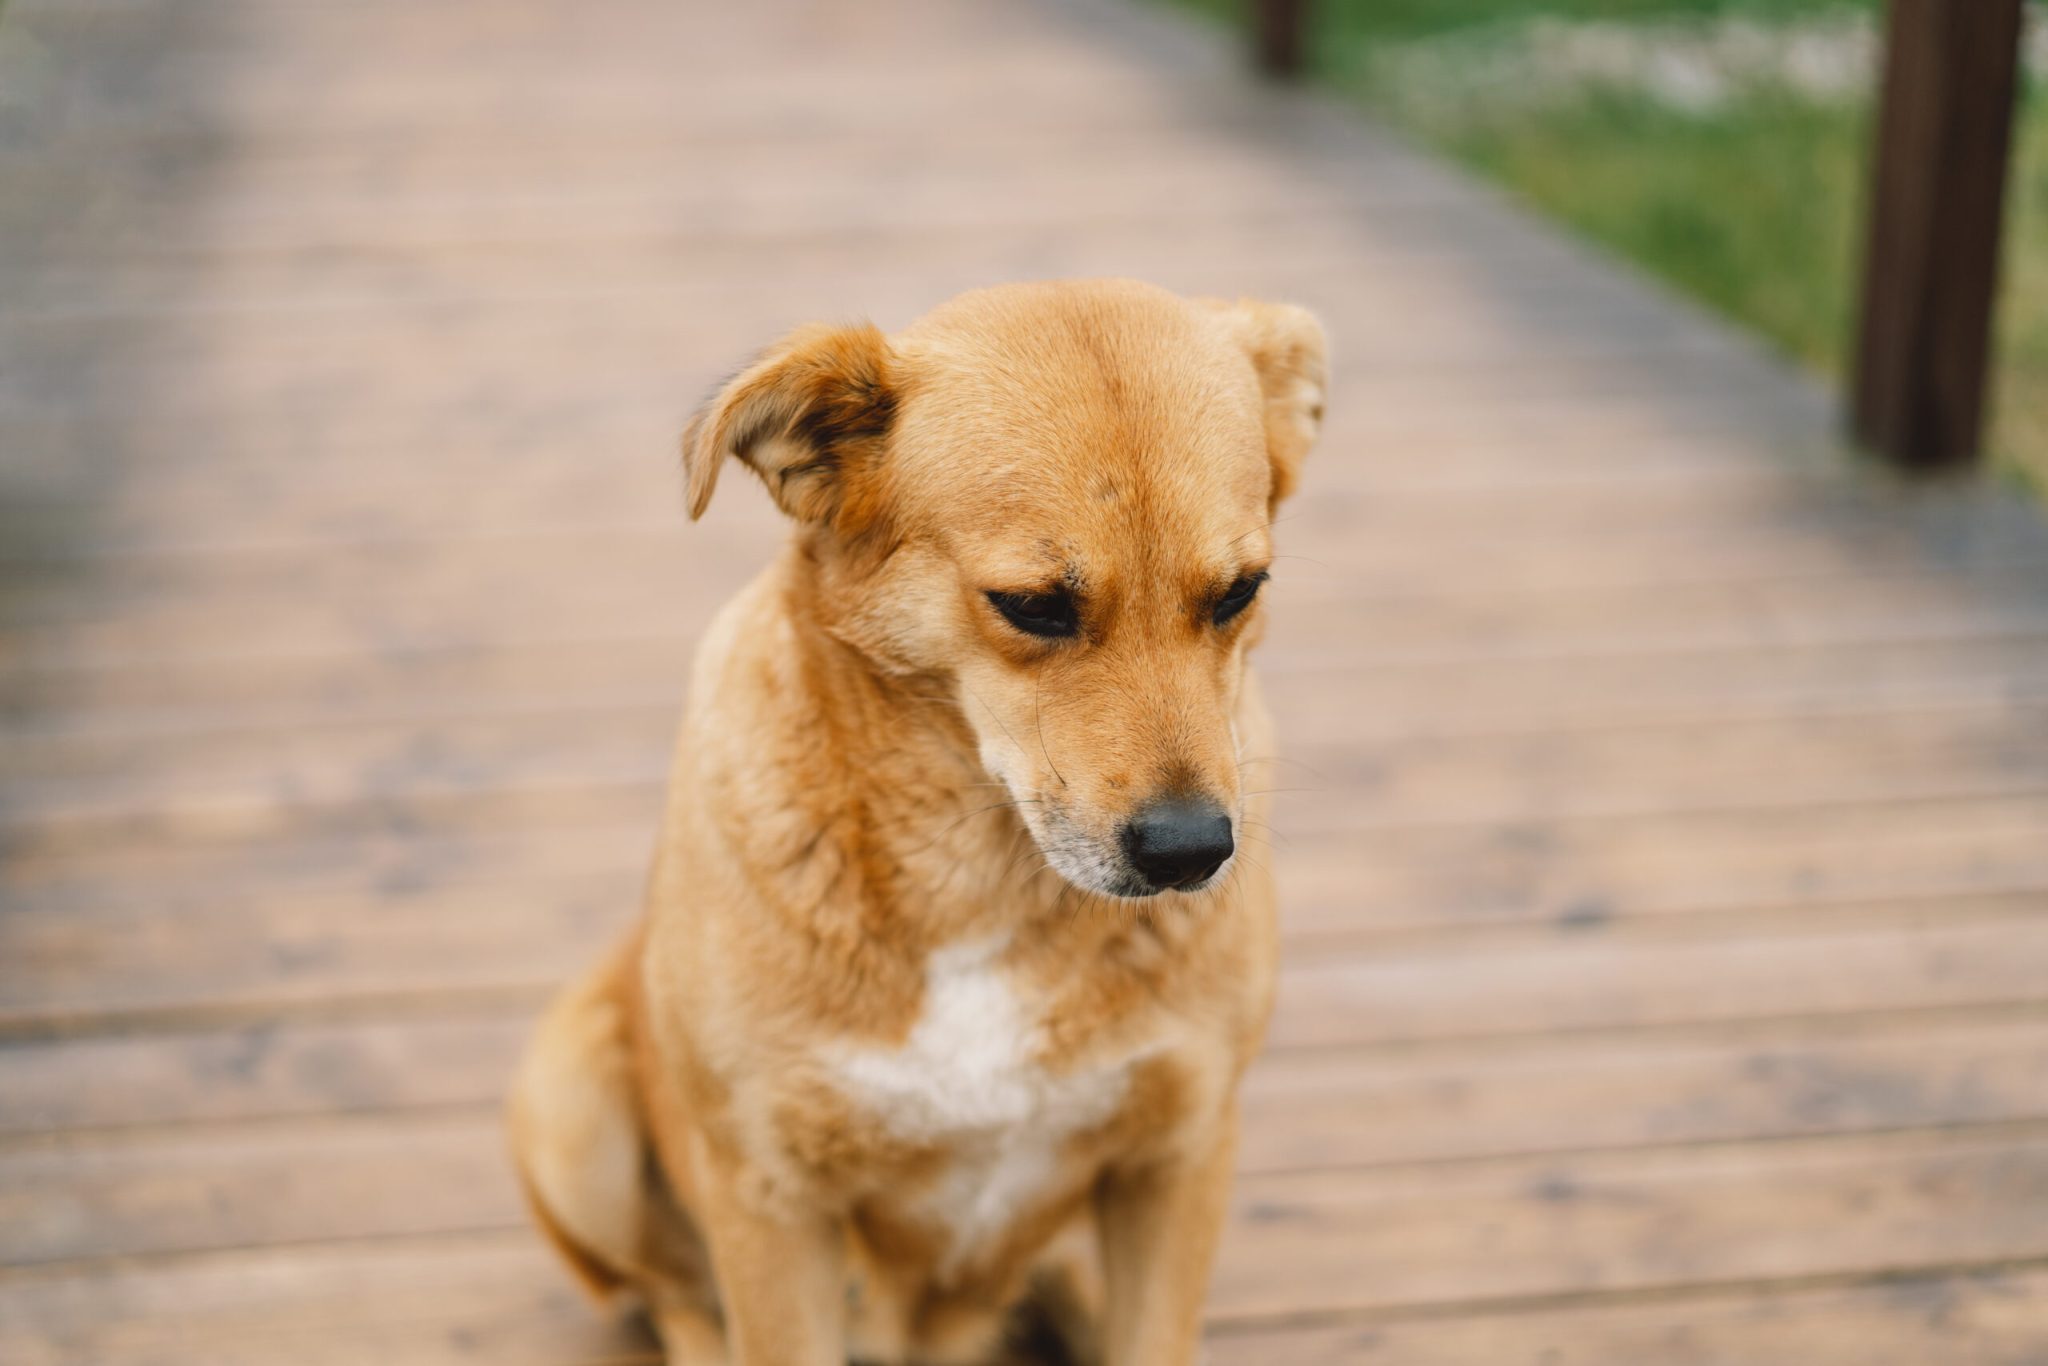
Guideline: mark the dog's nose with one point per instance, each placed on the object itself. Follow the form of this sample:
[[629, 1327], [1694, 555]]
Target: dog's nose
[[1176, 841]]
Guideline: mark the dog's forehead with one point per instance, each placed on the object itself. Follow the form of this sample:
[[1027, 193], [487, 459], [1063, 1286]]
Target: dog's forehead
[[1079, 359], [1064, 416]]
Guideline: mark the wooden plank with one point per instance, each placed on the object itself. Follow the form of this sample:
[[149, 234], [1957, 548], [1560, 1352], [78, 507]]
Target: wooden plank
[[1063, 87], [1325, 1241], [416, 1174], [268, 369], [249, 383], [617, 735], [446, 1301], [1973, 1318], [163, 611], [485, 709], [1147, 182], [1625, 770], [716, 261], [1931, 264], [620, 761], [247, 286], [606, 798], [1338, 1109], [268, 1070], [1336, 880], [219, 783], [453, 1301], [1349, 492], [1393, 997], [549, 689], [165, 513], [617, 425], [248, 957], [1329, 1242], [1587, 873], [207, 529], [117, 972], [250, 512], [394, 857], [674, 81], [1588, 636], [374, 597], [1321, 1109], [526, 713]]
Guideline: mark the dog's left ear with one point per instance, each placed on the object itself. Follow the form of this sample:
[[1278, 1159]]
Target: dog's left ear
[[811, 416], [1290, 354]]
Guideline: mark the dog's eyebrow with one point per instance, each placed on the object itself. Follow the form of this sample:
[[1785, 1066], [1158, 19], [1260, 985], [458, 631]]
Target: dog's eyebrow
[[1037, 580], [1228, 574], [1043, 569]]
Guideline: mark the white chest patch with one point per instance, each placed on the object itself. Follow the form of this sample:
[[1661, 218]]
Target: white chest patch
[[967, 1077]]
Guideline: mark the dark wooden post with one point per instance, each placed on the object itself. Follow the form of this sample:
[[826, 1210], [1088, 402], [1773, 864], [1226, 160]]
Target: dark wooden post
[[1281, 28], [1932, 264]]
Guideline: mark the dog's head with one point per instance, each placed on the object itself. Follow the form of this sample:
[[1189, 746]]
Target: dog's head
[[1056, 500]]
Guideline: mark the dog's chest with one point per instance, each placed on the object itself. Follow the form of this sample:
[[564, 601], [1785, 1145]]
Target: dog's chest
[[969, 1080]]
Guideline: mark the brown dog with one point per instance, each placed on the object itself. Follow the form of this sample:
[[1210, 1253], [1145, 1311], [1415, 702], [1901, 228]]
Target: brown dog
[[953, 952]]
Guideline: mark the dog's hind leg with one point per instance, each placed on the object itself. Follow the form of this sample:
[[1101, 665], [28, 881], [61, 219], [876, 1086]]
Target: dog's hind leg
[[587, 1166]]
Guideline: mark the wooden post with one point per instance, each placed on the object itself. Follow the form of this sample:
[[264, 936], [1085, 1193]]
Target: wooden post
[[1931, 266], [1281, 28]]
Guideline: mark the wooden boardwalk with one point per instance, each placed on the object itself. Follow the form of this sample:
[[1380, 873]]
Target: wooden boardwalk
[[1667, 882]]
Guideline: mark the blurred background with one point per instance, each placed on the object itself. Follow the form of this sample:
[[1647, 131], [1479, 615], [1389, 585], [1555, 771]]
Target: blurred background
[[1723, 146], [1665, 855]]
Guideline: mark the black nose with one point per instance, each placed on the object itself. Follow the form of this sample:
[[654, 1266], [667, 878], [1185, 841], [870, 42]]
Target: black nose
[[1175, 841]]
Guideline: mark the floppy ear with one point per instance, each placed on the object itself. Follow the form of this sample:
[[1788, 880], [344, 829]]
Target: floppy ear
[[810, 416], [1289, 352]]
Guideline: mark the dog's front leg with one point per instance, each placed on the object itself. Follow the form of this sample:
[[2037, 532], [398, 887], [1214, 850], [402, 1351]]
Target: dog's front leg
[[1159, 1230], [781, 1278]]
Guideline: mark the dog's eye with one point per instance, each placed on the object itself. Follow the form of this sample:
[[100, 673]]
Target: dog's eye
[[1238, 597], [1050, 615]]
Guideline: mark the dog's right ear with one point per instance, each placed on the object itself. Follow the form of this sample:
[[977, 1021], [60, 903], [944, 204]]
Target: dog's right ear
[[1288, 351], [811, 416]]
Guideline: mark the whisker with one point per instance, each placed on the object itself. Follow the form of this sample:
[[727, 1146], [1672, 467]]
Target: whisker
[[992, 712], [1311, 769], [1264, 831], [1011, 804], [1038, 716], [1259, 866], [1029, 849]]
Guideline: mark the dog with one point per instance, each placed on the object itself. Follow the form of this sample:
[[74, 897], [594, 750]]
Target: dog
[[958, 938]]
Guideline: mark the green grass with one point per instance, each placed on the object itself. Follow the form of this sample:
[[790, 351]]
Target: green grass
[[2020, 383], [1755, 211], [1754, 205]]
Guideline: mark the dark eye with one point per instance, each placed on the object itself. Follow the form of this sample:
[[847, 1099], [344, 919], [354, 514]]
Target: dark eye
[[1050, 615], [1238, 597]]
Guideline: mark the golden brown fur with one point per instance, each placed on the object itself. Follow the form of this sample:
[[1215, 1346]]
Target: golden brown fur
[[891, 1049]]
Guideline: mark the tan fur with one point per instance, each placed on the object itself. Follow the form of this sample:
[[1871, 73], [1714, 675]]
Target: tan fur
[[893, 821]]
